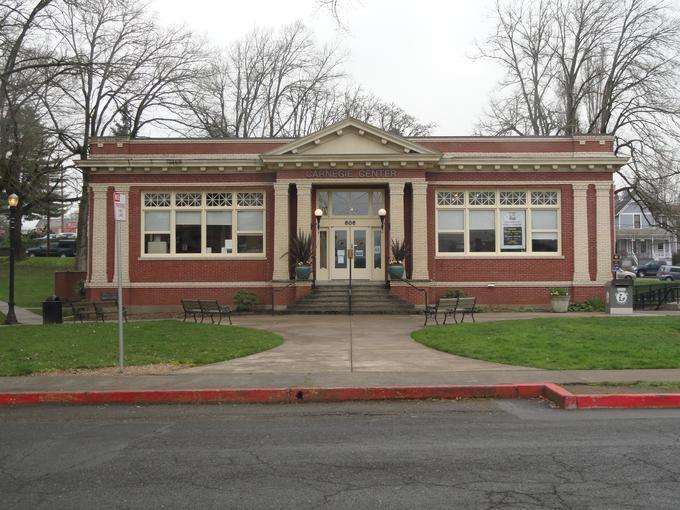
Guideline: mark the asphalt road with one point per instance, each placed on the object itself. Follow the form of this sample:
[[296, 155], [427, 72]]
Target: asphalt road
[[465, 454]]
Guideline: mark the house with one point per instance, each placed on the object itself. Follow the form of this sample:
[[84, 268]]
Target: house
[[502, 218], [640, 237]]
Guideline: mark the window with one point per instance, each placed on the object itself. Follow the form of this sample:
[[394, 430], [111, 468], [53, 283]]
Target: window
[[636, 221], [496, 222], [202, 223]]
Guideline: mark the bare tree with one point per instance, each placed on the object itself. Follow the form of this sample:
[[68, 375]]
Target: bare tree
[[129, 69], [596, 67]]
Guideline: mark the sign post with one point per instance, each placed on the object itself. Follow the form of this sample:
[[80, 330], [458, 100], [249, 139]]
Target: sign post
[[120, 214]]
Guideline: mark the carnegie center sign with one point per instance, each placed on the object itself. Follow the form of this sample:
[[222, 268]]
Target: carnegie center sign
[[351, 172]]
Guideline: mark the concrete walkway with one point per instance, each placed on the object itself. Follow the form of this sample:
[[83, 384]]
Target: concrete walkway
[[341, 343], [23, 316]]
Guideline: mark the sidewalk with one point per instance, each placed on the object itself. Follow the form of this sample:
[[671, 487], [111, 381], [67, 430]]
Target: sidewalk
[[23, 316]]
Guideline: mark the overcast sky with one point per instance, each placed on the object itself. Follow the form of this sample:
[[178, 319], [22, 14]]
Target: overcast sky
[[413, 53]]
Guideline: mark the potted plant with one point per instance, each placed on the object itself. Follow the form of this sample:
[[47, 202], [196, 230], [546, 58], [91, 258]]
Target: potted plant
[[301, 253], [559, 300], [395, 267]]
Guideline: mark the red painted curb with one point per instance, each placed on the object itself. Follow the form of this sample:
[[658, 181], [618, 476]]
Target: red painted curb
[[629, 401], [553, 392]]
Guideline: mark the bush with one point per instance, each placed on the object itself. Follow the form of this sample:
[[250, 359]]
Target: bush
[[245, 300], [452, 293], [676, 259], [592, 305]]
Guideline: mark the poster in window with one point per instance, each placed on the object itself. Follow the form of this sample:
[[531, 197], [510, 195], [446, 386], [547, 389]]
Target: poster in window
[[512, 225]]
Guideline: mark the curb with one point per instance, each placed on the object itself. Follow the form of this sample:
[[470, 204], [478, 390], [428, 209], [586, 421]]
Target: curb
[[559, 396]]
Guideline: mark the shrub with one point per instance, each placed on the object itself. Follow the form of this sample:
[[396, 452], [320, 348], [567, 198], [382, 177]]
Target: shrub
[[676, 259], [452, 293], [245, 300], [592, 305]]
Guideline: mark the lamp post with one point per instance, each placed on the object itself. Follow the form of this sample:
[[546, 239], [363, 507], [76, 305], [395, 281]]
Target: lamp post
[[383, 213], [318, 213], [12, 201]]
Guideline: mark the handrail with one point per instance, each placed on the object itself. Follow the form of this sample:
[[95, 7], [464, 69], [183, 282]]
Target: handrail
[[656, 295], [427, 301], [277, 289]]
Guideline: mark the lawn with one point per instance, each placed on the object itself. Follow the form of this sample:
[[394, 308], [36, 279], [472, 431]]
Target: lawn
[[28, 349], [564, 344], [2, 318], [33, 278], [646, 282]]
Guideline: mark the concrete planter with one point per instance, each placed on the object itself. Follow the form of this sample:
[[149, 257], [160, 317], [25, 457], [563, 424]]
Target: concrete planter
[[560, 304]]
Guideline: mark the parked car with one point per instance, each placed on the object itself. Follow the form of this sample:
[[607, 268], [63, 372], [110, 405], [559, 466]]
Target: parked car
[[625, 275], [668, 273], [62, 248], [648, 269]]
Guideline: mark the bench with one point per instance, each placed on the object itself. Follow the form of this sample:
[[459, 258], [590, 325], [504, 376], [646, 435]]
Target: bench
[[109, 308], [83, 310], [205, 308], [452, 306]]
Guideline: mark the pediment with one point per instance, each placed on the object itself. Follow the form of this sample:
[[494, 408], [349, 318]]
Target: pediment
[[351, 137]]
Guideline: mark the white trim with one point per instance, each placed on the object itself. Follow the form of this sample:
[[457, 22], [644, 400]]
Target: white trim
[[510, 284], [181, 285]]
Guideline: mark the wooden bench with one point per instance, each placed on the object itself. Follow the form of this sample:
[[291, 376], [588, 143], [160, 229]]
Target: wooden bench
[[83, 310], [108, 308], [452, 306], [205, 308]]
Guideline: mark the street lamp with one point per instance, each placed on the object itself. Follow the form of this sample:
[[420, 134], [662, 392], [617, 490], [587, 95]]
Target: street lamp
[[318, 213], [382, 213], [12, 201]]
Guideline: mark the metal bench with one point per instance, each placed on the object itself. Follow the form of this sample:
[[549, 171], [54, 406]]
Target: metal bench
[[452, 306], [212, 308], [192, 307], [83, 310], [109, 308]]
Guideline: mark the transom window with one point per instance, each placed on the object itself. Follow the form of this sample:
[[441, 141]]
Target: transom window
[[350, 203], [497, 222], [203, 223]]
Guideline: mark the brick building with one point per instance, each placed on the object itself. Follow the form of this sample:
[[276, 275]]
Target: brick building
[[505, 219]]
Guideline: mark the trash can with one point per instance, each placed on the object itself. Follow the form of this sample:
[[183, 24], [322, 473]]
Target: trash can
[[620, 297], [52, 310]]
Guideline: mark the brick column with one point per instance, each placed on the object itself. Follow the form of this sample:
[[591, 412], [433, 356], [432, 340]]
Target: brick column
[[99, 237], [581, 263], [304, 207], [603, 228], [396, 212], [419, 234], [281, 270]]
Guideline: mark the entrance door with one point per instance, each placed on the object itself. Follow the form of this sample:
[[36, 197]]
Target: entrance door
[[352, 246]]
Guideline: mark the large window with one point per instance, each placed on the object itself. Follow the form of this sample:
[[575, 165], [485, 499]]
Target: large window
[[497, 222], [209, 223]]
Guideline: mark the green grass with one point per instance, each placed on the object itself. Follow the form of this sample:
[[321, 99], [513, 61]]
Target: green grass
[[564, 344], [33, 278], [28, 349], [662, 385], [2, 318]]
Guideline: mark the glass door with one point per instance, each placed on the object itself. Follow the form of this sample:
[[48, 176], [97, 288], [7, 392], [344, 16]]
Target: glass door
[[351, 246]]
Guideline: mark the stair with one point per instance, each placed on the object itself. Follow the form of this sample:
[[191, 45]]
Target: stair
[[366, 299]]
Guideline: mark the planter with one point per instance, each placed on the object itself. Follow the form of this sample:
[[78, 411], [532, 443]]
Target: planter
[[560, 304], [396, 271], [302, 272]]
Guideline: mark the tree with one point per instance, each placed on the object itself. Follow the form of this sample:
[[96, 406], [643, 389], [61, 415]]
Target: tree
[[129, 76], [593, 67]]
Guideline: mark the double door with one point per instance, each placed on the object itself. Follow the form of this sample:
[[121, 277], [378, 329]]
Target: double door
[[351, 247]]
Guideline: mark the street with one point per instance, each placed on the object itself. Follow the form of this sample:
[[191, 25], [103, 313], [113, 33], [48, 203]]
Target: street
[[438, 454]]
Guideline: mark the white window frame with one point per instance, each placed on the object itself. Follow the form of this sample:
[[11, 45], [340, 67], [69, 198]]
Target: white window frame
[[498, 208], [204, 209]]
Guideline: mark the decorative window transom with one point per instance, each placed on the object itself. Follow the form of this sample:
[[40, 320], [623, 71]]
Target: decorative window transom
[[513, 197], [191, 199], [157, 199], [543, 198], [450, 198], [482, 198], [250, 199], [218, 199]]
